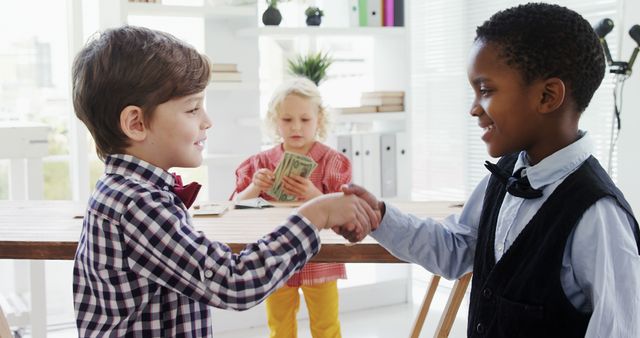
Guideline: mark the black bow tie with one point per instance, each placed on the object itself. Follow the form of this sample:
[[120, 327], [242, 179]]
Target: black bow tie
[[516, 185]]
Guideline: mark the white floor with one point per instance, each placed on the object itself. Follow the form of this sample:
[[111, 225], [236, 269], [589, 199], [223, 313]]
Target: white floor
[[383, 322]]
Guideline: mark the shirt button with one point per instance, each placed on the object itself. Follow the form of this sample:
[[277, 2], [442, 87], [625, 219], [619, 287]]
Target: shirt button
[[208, 273], [487, 293], [480, 328]]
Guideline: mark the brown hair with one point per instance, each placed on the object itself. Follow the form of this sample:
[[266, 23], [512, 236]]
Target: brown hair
[[131, 66]]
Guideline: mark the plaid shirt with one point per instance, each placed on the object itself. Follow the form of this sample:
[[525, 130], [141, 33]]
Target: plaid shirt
[[333, 170], [142, 270]]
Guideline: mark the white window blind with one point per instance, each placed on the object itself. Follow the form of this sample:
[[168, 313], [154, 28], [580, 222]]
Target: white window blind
[[448, 154]]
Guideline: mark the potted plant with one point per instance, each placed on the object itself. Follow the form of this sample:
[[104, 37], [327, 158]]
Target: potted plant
[[313, 66], [314, 16], [272, 16]]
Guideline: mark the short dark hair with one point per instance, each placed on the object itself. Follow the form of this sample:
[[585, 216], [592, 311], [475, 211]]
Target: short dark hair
[[544, 41], [131, 66]]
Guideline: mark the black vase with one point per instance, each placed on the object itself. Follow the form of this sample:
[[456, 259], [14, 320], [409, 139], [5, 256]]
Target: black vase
[[271, 17], [314, 20]]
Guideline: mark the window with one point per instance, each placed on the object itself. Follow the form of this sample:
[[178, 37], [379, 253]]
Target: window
[[34, 82], [449, 155]]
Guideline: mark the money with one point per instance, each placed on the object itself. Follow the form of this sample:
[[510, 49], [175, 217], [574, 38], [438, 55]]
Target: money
[[291, 164]]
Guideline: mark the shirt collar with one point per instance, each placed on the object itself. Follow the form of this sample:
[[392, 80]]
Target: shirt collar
[[137, 169], [557, 165]]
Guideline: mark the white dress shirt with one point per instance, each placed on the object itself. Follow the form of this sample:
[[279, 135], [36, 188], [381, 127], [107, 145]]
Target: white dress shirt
[[600, 267]]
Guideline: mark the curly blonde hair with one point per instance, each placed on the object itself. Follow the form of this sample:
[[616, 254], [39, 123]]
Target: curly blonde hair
[[302, 87]]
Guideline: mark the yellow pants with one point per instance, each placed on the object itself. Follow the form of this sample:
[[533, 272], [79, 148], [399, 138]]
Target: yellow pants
[[322, 304]]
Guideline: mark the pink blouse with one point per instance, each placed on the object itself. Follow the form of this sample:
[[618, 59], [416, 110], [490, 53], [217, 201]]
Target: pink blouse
[[333, 170]]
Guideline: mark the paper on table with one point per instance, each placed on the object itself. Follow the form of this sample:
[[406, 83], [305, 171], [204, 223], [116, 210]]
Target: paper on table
[[253, 203], [210, 209]]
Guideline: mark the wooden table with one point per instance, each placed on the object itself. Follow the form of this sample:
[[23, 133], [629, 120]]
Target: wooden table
[[49, 230]]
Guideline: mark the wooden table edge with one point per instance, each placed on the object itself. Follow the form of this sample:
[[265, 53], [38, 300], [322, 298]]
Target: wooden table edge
[[329, 253]]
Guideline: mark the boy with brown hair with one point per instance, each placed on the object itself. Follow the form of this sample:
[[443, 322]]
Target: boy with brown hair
[[141, 269], [552, 243]]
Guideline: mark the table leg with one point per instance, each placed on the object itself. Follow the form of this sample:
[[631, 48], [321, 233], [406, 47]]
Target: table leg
[[424, 308], [453, 304], [38, 314]]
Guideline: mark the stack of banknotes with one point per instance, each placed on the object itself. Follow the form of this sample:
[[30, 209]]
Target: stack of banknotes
[[291, 164]]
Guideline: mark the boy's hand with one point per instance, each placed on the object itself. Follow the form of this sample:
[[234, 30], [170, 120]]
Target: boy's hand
[[338, 210], [371, 200], [300, 187], [263, 179]]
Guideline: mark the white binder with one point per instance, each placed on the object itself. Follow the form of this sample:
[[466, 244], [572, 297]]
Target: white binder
[[356, 159], [388, 166], [371, 163], [350, 146], [354, 13], [374, 11], [403, 168]]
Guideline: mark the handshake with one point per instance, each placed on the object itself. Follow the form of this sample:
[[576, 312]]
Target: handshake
[[352, 213]]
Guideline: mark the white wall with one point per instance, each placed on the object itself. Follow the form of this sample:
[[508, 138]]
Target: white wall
[[628, 154]]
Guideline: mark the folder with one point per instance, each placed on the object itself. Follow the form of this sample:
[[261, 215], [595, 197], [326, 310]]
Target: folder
[[363, 14], [349, 146], [343, 144], [389, 16], [354, 13], [403, 168], [371, 162], [388, 165], [374, 13], [398, 13], [357, 167]]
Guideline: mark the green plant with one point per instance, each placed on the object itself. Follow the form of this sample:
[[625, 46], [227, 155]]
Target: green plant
[[313, 11], [313, 66]]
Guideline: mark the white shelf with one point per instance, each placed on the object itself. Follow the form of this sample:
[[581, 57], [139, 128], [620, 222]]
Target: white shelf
[[151, 9], [287, 32], [369, 117], [231, 86]]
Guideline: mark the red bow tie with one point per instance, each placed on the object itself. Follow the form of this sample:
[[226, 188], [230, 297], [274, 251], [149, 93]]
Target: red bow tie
[[188, 193]]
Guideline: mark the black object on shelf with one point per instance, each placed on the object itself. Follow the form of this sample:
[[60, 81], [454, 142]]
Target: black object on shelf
[[271, 16]]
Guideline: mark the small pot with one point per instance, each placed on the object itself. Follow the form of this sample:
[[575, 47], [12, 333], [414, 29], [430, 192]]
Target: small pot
[[271, 17], [314, 20]]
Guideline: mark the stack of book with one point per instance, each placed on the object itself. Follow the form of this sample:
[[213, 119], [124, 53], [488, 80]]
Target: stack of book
[[384, 101], [355, 110], [225, 72]]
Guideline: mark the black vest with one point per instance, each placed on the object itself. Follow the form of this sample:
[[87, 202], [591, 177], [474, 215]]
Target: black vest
[[521, 295]]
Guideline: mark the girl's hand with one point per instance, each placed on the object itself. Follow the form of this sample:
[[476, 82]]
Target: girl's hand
[[300, 187], [263, 179]]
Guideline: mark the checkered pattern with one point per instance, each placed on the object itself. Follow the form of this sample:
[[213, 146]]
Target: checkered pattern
[[141, 270], [333, 170]]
